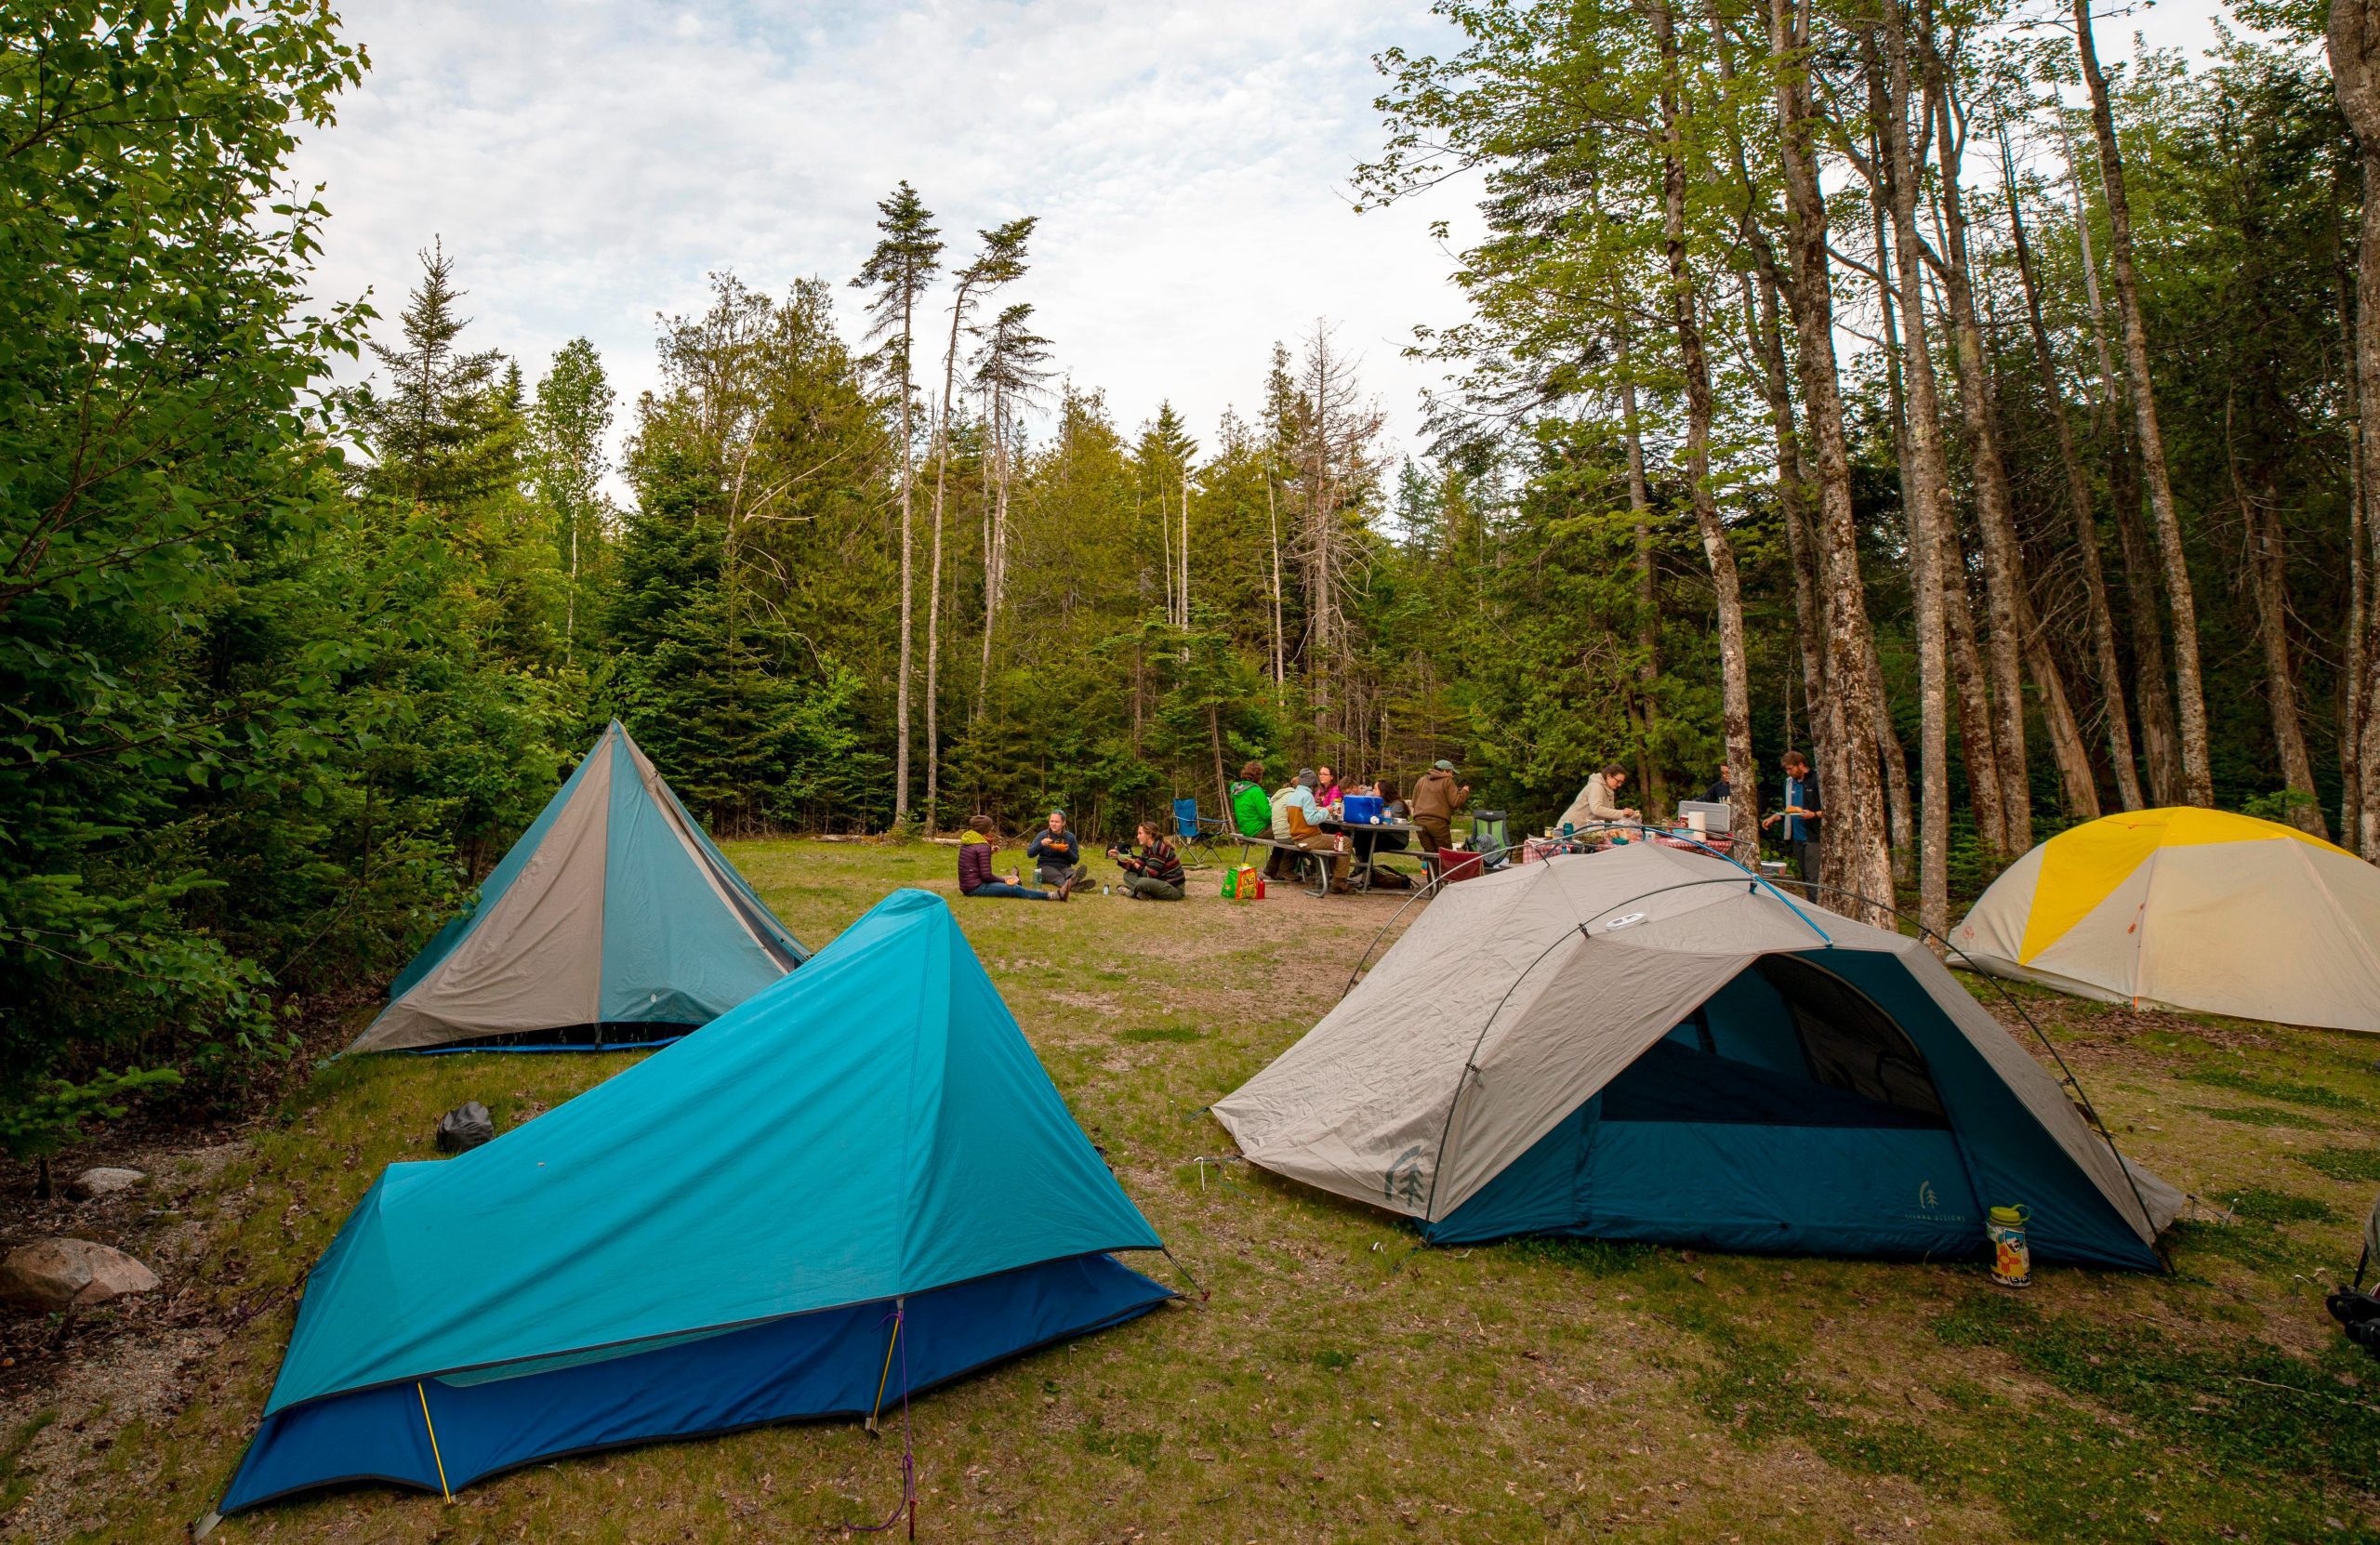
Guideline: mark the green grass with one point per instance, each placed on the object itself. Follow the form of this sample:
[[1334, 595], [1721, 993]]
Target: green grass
[[2343, 1164], [2257, 1116], [2288, 1091], [1341, 1383], [14, 1484]]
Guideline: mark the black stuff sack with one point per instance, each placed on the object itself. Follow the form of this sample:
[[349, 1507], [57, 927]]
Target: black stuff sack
[[464, 1127]]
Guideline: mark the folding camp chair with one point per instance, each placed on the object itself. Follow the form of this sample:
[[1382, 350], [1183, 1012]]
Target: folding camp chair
[[1196, 837], [1490, 835]]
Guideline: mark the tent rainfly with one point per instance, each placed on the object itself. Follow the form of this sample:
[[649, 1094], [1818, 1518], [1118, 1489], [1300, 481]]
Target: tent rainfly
[[1648, 1044], [2188, 908], [717, 1237], [615, 909]]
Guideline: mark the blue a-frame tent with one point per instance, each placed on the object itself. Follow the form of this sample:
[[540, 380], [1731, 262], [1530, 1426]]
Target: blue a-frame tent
[[715, 1238]]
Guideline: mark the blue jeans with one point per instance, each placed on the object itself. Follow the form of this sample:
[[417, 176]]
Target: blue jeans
[[1003, 887]]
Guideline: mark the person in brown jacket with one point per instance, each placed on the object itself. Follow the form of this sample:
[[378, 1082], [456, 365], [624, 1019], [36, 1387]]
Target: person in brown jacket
[[1435, 798]]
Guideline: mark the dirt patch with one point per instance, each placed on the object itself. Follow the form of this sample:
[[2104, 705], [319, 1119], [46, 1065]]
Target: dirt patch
[[142, 1375], [75, 1383]]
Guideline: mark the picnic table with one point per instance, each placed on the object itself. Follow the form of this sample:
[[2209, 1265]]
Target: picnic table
[[1365, 857]]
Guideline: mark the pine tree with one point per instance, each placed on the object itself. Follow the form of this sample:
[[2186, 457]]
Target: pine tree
[[905, 261]]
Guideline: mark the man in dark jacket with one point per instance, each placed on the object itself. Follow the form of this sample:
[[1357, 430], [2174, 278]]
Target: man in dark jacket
[[1154, 873], [1804, 815], [1057, 854]]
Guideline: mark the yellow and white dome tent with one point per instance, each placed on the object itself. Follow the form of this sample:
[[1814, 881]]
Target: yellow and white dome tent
[[2187, 908]]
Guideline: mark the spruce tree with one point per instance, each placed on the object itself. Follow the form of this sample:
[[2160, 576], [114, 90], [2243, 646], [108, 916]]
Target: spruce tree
[[429, 433]]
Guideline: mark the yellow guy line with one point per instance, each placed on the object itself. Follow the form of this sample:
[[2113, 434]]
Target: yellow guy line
[[434, 1455]]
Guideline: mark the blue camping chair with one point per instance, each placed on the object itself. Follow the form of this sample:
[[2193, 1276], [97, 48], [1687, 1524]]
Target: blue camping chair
[[1194, 836]]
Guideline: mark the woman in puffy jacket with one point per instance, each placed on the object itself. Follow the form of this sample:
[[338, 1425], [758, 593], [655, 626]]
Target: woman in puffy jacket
[[975, 876]]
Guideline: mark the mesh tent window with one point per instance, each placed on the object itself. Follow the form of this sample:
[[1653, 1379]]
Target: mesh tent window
[[1850, 1043]]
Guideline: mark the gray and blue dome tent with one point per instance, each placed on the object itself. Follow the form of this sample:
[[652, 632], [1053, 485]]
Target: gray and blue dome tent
[[614, 912], [1650, 1044], [743, 1228]]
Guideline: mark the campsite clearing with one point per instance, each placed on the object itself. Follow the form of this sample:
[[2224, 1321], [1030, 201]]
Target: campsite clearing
[[1339, 1384]]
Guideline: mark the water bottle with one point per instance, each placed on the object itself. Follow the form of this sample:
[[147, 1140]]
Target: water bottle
[[2012, 1258]]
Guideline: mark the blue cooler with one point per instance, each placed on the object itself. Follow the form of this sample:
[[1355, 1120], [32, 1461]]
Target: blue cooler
[[1363, 810]]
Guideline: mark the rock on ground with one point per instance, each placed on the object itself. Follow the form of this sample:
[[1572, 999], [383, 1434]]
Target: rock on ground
[[57, 1274], [104, 1181]]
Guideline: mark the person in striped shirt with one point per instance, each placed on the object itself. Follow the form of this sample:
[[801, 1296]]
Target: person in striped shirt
[[1155, 872]]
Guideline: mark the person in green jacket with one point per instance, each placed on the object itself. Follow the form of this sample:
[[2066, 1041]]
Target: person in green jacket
[[1252, 811]]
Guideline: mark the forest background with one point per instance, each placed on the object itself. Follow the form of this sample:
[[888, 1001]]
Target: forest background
[[1880, 377]]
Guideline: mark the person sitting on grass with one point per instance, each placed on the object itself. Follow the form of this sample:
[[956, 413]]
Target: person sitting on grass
[[975, 876], [1154, 873], [1057, 854]]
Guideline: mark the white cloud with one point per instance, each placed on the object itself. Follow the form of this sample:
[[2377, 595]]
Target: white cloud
[[588, 164]]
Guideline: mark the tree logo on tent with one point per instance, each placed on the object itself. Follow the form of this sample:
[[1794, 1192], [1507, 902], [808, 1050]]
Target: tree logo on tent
[[1926, 1197], [1404, 1177]]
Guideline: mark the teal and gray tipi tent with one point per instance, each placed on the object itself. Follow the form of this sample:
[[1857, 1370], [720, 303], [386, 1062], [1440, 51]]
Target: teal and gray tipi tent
[[614, 910], [717, 1237]]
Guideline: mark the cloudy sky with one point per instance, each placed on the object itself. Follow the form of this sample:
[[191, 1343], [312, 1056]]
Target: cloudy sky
[[588, 162]]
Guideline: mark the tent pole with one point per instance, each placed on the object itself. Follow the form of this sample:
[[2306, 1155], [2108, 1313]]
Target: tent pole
[[436, 1457]]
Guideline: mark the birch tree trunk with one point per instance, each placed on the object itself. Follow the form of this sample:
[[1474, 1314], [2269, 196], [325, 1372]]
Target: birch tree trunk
[[2270, 576], [2017, 631], [2353, 704], [933, 594], [2355, 72], [1856, 857], [2160, 740], [994, 539], [1735, 680], [2189, 693], [1272, 527], [2079, 510], [1801, 543], [1640, 505], [1938, 591]]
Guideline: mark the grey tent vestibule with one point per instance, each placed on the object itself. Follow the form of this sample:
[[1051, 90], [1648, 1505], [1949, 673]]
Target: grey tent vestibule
[[614, 921], [1648, 1044]]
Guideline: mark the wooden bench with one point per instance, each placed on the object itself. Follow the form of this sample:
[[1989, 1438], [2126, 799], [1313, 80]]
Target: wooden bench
[[1308, 868]]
